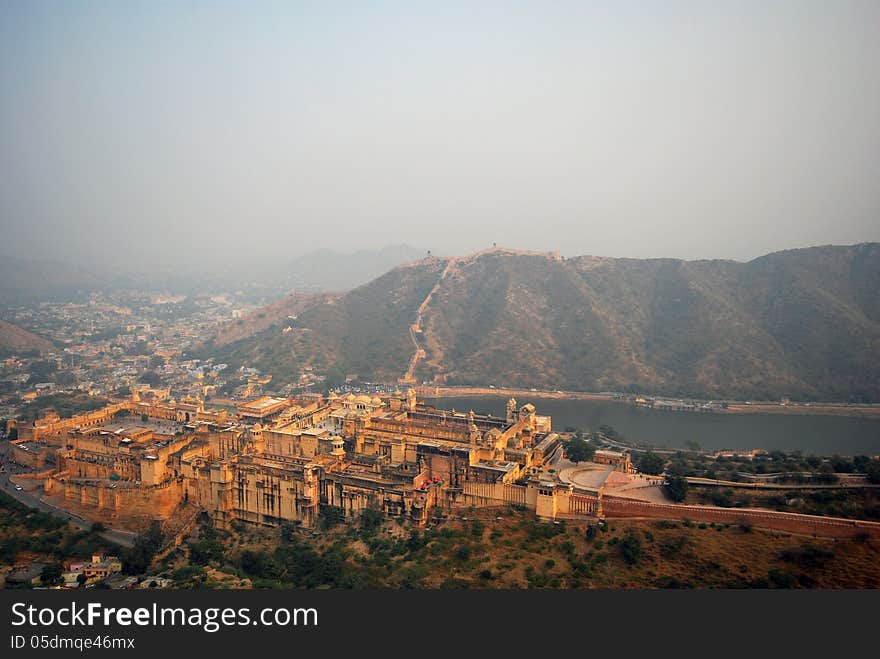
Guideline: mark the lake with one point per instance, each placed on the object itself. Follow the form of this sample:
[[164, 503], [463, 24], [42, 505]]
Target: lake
[[821, 435]]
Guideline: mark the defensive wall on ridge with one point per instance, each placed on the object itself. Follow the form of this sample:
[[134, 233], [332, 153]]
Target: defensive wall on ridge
[[565, 503], [620, 507]]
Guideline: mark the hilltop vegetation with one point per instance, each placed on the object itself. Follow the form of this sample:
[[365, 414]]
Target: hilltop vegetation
[[510, 548], [803, 324]]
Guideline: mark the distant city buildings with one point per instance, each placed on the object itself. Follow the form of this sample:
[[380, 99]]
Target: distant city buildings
[[110, 342]]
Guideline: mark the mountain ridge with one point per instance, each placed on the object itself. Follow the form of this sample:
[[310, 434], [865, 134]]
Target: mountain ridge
[[802, 323]]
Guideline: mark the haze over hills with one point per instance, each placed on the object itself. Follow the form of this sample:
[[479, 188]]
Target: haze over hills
[[800, 323], [329, 270], [25, 280], [17, 340]]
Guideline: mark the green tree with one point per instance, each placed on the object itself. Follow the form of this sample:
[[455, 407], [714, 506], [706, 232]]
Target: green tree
[[335, 377], [650, 463], [872, 471], [51, 574], [630, 547], [331, 516], [41, 370], [65, 379], [151, 378], [206, 550], [813, 461], [826, 474], [677, 488], [723, 498], [260, 564], [371, 520], [138, 559], [579, 450]]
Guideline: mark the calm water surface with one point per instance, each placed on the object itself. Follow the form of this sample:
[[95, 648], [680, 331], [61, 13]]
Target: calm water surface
[[822, 435]]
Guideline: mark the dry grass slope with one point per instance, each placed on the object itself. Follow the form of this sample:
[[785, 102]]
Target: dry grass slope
[[14, 339]]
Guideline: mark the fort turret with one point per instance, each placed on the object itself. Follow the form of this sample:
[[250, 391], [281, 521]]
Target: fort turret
[[511, 410]]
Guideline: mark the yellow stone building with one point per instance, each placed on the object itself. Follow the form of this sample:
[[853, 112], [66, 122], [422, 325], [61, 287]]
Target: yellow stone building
[[289, 460]]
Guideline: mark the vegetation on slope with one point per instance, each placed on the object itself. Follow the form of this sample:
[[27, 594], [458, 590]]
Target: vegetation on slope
[[803, 324], [510, 548], [365, 332], [26, 534]]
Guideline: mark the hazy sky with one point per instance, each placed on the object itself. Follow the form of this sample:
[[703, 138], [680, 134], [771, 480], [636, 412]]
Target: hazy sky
[[133, 131]]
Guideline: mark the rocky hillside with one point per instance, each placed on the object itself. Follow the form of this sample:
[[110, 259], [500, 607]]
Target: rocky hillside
[[363, 332], [800, 323], [15, 340], [269, 316]]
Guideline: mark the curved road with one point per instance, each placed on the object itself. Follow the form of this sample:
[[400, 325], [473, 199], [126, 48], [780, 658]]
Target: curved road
[[118, 536]]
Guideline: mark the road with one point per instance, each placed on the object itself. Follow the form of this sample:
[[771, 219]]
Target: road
[[118, 536]]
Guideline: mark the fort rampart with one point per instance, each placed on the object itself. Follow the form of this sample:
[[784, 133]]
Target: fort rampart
[[619, 507]]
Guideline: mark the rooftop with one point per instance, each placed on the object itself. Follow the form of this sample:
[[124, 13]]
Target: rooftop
[[262, 403], [497, 465], [30, 446]]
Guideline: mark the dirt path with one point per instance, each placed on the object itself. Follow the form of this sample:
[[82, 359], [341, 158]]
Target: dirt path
[[416, 327], [451, 267]]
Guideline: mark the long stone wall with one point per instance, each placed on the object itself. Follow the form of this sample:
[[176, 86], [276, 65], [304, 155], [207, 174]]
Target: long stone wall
[[36, 476], [489, 494], [134, 504], [496, 491], [386, 427], [85, 420], [619, 507], [582, 504], [153, 411], [35, 459]]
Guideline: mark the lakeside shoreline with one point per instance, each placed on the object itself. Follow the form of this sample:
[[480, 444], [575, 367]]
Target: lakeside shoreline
[[825, 409]]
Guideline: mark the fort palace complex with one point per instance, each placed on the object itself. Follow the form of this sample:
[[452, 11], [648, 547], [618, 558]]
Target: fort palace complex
[[276, 460], [270, 461]]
